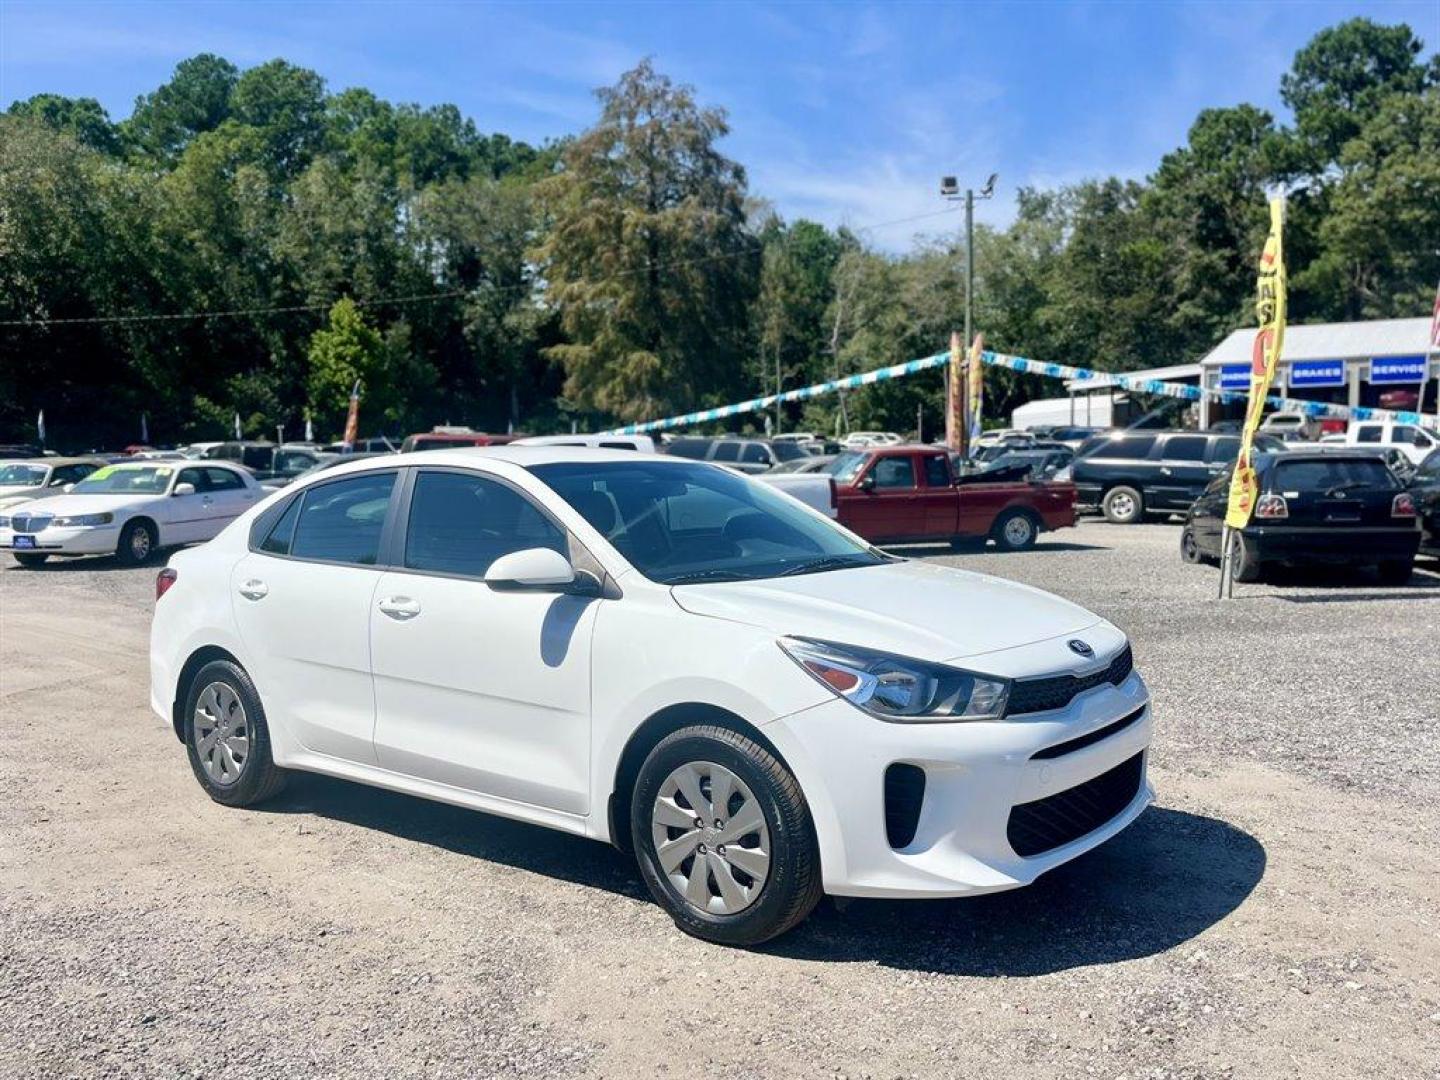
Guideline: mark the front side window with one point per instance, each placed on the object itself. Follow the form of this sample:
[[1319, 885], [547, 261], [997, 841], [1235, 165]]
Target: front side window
[[460, 523], [727, 451], [223, 480], [680, 523], [194, 477], [126, 480], [1368, 433], [893, 472], [342, 521], [755, 454]]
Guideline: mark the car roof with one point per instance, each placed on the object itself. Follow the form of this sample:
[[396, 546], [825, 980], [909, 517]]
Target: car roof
[[80, 460], [524, 456]]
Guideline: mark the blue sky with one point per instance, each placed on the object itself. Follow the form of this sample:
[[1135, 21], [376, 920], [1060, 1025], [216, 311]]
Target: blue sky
[[843, 112]]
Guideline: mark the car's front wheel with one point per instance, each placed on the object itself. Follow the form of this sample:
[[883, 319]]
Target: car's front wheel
[[227, 738], [724, 837], [137, 543]]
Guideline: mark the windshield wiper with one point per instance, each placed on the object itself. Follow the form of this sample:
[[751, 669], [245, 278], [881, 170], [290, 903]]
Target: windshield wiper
[[697, 576], [829, 562]]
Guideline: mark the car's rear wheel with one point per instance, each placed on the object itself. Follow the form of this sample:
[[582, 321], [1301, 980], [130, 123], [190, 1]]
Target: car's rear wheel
[[1396, 572], [724, 837], [227, 738], [1190, 547], [1015, 531], [30, 562], [137, 543], [1245, 564], [1123, 505]]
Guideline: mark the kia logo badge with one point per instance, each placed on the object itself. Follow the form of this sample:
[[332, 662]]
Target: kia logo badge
[[1078, 646]]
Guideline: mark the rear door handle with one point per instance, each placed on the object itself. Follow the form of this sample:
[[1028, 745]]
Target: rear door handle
[[400, 608], [254, 590]]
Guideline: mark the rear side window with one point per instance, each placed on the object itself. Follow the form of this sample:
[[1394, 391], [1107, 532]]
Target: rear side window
[[727, 451], [936, 474], [1226, 449], [1323, 475], [461, 523], [223, 480], [1185, 448], [1368, 433], [755, 454], [278, 542], [689, 448], [342, 521], [1124, 449]]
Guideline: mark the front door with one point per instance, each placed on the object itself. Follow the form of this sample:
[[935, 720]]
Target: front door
[[302, 602], [889, 509], [478, 689]]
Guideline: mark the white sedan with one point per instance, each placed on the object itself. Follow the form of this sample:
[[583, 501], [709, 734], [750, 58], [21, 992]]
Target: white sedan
[[661, 654], [130, 511]]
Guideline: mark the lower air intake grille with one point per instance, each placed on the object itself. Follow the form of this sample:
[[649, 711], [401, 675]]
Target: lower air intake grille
[[1040, 826], [904, 793]]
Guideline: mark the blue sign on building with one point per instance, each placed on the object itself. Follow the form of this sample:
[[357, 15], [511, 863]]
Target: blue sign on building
[[1235, 377], [1397, 369], [1306, 373]]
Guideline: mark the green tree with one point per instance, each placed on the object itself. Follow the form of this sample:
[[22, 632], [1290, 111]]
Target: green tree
[[84, 118], [285, 106], [345, 351], [647, 259], [194, 101]]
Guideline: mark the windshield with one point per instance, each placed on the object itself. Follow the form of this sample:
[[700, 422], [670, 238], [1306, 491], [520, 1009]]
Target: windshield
[[680, 523], [126, 480], [22, 475]]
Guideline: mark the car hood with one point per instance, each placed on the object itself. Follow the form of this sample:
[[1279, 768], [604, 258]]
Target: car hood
[[70, 505], [924, 610]]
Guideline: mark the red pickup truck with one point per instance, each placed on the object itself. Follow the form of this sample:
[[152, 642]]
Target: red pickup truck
[[898, 494]]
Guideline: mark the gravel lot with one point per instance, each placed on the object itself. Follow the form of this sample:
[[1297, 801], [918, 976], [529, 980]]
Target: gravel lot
[[1276, 915]]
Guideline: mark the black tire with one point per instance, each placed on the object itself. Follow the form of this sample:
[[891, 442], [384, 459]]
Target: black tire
[[793, 886], [30, 562], [966, 543], [1189, 547], [1245, 564], [258, 777], [1008, 534], [138, 542], [1397, 572], [1123, 505]]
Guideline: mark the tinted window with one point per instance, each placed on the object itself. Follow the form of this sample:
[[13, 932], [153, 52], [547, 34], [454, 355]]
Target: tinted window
[[936, 474], [461, 523], [223, 480], [1226, 448], [727, 451], [1322, 475], [689, 448], [1430, 467], [788, 450], [1185, 448], [278, 542], [755, 454], [893, 472], [193, 476], [1369, 433], [341, 521], [1117, 449], [678, 522], [618, 445]]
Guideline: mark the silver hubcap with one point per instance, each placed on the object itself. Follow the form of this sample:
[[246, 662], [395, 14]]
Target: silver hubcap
[[710, 838], [222, 733], [1017, 531], [140, 543], [1122, 506]]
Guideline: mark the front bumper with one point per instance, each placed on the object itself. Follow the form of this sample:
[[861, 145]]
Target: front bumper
[[975, 775], [1297, 545], [96, 540]]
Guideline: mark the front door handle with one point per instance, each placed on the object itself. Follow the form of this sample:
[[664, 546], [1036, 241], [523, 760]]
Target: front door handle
[[400, 608], [254, 590]]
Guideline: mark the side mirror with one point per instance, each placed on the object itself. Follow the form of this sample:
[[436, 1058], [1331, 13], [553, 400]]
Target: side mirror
[[535, 569], [184, 489], [68, 488], [866, 482]]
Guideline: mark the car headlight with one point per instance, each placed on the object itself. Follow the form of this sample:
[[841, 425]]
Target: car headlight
[[897, 688], [83, 520], [4, 521]]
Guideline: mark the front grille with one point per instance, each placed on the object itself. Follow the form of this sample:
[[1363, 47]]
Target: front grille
[[1048, 823], [904, 795], [25, 523], [1057, 691]]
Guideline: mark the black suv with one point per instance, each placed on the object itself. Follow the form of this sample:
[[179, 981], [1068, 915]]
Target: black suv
[[1129, 474]]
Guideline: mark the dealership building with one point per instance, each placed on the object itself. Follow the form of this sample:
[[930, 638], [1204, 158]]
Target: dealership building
[[1383, 363]]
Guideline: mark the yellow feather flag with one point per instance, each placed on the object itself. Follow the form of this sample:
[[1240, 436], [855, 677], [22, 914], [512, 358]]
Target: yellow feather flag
[[1269, 340]]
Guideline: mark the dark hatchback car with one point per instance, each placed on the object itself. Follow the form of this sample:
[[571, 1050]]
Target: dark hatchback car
[[1131, 473], [1424, 487], [1313, 508]]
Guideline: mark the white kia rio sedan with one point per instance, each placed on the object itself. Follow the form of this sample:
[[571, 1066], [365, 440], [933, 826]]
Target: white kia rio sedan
[[130, 511], [661, 654]]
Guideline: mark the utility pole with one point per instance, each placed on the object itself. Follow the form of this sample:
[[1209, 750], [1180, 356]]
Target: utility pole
[[950, 189]]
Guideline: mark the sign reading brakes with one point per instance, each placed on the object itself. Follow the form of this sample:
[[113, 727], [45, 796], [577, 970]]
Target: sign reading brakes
[[1317, 373], [1397, 369]]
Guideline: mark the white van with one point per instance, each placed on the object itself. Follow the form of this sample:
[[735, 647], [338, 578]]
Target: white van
[[1412, 441]]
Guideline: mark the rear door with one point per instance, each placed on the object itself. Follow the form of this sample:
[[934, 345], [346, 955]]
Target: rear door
[[936, 499], [1182, 474], [229, 496], [302, 600]]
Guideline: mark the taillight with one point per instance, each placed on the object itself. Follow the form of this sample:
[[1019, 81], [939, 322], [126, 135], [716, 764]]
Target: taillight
[[163, 581], [1272, 506], [1403, 505]]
